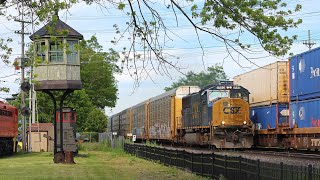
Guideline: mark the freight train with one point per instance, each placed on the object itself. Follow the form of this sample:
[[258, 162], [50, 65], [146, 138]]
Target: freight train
[[8, 128], [285, 102], [217, 116]]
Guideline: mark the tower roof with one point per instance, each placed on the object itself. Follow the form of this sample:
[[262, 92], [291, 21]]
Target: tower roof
[[58, 27]]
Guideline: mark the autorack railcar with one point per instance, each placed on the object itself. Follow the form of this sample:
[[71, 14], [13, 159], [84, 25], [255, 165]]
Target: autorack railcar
[[164, 113]]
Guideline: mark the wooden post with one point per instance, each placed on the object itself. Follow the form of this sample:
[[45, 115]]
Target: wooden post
[[212, 166], [281, 171], [191, 161], [225, 166], [145, 151], [177, 154], [309, 172], [258, 169], [170, 156], [240, 167], [183, 157], [201, 164]]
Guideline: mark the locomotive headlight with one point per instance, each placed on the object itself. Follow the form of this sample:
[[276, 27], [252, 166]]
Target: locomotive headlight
[[244, 122], [223, 122]]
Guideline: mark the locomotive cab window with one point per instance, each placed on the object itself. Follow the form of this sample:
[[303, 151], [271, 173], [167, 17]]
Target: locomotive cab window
[[212, 95], [239, 94]]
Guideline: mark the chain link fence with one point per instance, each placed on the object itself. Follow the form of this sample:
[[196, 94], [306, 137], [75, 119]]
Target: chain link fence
[[114, 141]]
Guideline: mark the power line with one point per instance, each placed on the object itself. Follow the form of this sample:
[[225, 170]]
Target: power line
[[9, 75]]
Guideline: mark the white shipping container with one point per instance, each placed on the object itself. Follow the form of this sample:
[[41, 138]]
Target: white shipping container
[[267, 85]]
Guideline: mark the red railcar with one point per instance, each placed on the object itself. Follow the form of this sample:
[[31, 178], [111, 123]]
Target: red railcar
[[8, 128]]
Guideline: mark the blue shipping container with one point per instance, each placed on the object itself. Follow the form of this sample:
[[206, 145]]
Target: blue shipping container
[[305, 114], [305, 75], [266, 117]]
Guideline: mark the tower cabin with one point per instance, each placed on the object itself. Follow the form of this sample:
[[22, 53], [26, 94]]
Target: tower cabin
[[58, 59]]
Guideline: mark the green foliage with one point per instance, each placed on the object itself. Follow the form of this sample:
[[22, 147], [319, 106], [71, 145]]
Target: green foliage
[[5, 50], [121, 6], [213, 75], [152, 144], [105, 146], [97, 73], [262, 19], [89, 117], [4, 89]]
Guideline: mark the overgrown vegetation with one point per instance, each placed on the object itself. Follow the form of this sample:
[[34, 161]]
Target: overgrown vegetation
[[152, 144], [105, 146]]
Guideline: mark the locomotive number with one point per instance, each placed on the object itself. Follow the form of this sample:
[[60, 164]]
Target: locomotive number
[[231, 110]]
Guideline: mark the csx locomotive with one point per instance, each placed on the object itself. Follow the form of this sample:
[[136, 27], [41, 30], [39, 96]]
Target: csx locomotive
[[217, 115]]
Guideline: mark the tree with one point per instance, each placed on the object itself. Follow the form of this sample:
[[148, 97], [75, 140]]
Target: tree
[[5, 50], [97, 73], [89, 117], [213, 75], [266, 20]]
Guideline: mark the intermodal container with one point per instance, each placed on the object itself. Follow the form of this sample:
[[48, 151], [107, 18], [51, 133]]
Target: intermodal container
[[305, 75], [305, 114], [270, 117], [267, 85]]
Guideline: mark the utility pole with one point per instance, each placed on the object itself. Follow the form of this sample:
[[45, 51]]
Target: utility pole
[[22, 76], [32, 106], [308, 42]]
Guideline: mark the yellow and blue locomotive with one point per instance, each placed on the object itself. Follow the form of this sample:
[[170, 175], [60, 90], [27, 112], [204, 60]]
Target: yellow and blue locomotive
[[217, 115]]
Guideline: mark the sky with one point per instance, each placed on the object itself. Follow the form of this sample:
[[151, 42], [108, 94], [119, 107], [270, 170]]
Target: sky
[[91, 20]]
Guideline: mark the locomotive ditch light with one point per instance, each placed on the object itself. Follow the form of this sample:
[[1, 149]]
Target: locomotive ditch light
[[223, 123], [244, 122]]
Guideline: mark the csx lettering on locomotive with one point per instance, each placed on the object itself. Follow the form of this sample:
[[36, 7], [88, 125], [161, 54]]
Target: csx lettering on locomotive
[[231, 110]]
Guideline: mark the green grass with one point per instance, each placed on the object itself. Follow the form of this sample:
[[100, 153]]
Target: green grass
[[93, 162]]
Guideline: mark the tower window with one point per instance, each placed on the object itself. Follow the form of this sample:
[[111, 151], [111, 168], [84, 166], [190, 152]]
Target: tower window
[[72, 52], [55, 52], [40, 50]]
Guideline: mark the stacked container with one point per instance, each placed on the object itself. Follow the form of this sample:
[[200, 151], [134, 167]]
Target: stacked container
[[305, 89], [269, 95]]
